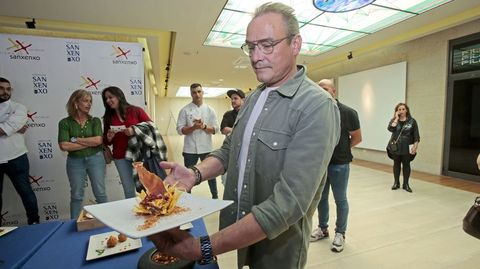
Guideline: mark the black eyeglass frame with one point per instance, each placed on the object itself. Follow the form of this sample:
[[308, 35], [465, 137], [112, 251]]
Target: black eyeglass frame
[[266, 48]]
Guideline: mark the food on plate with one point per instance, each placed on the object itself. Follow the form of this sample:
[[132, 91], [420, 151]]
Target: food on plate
[[112, 241], [163, 258], [122, 238], [158, 199]]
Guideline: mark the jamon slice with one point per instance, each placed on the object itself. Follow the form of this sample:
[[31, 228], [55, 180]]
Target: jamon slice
[[152, 183]]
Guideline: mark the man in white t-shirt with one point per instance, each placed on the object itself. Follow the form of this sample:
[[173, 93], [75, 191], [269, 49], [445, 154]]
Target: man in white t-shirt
[[198, 122], [13, 154]]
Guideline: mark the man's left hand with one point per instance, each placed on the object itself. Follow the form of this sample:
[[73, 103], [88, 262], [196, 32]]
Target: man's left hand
[[179, 174]]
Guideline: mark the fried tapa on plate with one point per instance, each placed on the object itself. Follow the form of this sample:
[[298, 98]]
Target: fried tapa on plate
[[158, 198]]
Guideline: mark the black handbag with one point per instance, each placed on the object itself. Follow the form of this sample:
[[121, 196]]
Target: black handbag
[[471, 221], [392, 146]]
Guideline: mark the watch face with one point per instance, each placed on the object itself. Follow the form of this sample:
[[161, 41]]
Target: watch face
[[73, 139]]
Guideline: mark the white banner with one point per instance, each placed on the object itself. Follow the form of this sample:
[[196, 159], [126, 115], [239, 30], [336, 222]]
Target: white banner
[[43, 73]]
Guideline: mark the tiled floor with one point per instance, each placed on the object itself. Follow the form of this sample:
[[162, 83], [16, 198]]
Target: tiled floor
[[391, 229]]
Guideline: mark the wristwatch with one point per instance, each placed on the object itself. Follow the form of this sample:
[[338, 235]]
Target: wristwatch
[[206, 249], [205, 127], [73, 139]]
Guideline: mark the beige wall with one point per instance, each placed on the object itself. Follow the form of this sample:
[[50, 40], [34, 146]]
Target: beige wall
[[166, 111], [427, 60]]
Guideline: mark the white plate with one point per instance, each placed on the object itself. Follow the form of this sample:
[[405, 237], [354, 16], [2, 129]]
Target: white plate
[[97, 246], [119, 215], [6, 230]]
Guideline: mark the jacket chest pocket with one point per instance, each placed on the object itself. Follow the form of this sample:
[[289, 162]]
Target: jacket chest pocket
[[274, 140], [270, 152]]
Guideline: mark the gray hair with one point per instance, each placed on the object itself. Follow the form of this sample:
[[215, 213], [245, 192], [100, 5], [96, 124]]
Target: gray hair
[[288, 15]]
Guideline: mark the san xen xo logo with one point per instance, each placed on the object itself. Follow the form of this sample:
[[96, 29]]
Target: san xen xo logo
[[121, 56], [21, 50], [45, 149], [73, 52], [40, 83]]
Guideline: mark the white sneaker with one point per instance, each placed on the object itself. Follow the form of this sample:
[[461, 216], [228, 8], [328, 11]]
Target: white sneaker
[[318, 234], [338, 242]]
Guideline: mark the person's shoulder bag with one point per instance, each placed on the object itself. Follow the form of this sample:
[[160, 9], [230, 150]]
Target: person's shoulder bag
[[471, 221], [392, 146]]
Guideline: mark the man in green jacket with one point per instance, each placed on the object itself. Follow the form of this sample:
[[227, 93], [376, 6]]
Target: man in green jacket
[[276, 157]]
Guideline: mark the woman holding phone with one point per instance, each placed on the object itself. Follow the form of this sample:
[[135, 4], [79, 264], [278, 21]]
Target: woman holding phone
[[404, 130], [117, 129]]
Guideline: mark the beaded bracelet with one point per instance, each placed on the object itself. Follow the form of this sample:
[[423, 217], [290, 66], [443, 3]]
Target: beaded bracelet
[[198, 175]]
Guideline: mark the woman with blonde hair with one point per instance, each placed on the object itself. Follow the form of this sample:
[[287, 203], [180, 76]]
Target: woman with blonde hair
[[80, 135]]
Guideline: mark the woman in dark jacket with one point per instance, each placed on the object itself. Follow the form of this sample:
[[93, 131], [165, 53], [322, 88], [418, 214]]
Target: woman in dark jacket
[[405, 129]]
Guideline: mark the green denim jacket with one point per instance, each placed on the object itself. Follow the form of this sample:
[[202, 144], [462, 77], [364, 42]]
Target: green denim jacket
[[291, 146]]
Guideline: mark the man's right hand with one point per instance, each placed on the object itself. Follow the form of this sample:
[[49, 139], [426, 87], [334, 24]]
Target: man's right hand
[[184, 177]]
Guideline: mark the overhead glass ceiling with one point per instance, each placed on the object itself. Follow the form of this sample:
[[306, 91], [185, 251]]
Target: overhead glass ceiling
[[321, 31]]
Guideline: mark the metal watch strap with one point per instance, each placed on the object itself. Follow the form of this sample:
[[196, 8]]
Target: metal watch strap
[[198, 175], [206, 249]]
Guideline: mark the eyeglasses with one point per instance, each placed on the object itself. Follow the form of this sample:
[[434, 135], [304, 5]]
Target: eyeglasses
[[265, 46]]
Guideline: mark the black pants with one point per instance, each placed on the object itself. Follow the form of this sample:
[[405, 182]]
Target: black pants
[[401, 162]]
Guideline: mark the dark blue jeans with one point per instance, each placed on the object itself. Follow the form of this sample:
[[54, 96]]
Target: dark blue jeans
[[190, 159], [17, 170]]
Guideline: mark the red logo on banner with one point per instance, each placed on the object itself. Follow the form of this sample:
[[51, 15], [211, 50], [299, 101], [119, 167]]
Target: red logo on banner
[[90, 82], [30, 116], [120, 52], [35, 179], [18, 46]]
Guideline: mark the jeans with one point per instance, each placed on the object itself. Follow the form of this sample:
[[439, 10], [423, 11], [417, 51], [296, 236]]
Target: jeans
[[337, 178], [77, 171], [125, 171], [18, 171], [192, 159]]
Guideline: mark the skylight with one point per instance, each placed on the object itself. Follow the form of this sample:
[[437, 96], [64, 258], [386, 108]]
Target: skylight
[[321, 31]]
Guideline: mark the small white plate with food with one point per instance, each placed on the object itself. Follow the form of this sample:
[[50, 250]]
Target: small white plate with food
[[110, 243]]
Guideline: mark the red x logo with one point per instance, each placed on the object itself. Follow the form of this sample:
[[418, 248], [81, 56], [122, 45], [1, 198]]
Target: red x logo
[[30, 116], [121, 52], [35, 180], [19, 46], [90, 82]]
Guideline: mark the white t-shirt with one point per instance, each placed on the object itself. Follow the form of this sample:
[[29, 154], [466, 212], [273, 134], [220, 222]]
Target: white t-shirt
[[247, 136]]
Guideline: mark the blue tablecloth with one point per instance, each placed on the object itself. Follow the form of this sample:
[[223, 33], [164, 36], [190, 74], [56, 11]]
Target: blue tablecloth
[[67, 248], [20, 244]]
